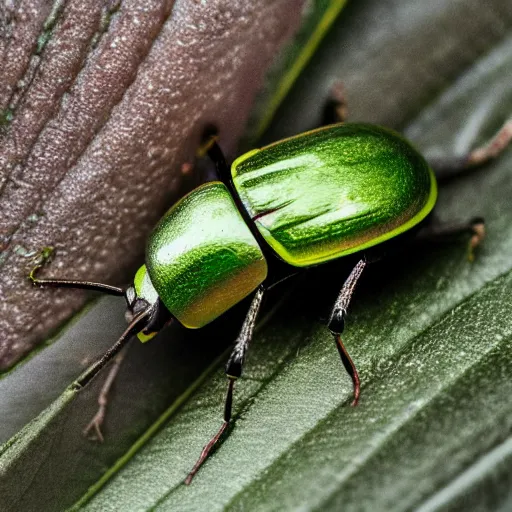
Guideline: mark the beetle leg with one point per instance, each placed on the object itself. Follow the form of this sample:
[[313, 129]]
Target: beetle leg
[[475, 227], [217, 157], [447, 168], [209, 146], [208, 137], [337, 324], [117, 353], [139, 323], [234, 368], [335, 108], [93, 429]]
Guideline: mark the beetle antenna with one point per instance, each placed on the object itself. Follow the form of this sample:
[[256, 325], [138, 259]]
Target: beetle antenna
[[138, 324], [67, 283]]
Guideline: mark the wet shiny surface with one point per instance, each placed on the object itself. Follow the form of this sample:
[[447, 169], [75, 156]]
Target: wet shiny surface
[[334, 191], [202, 258]]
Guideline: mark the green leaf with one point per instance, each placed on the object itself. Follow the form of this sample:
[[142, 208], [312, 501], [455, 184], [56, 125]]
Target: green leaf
[[318, 18], [430, 332]]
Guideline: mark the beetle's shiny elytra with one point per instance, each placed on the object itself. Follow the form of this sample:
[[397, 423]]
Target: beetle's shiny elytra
[[314, 197], [334, 191]]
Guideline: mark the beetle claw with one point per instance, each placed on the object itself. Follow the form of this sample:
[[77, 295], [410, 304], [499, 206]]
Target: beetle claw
[[478, 235], [95, 426]]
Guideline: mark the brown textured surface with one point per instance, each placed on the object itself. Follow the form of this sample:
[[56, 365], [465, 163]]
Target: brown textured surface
[[103, 119], [19, 29]]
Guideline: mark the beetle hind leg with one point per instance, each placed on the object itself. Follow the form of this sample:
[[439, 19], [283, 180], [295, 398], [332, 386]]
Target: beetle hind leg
[[474, 228], [447, 168]]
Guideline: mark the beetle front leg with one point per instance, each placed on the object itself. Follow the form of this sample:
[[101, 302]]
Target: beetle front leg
[[234, 368], [337, 324], [93, 430], [116, 352], [449, 167]]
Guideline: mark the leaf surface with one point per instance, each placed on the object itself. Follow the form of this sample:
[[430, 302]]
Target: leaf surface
[[430, 332]]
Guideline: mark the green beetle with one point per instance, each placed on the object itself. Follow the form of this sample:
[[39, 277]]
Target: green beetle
[[322, 195]]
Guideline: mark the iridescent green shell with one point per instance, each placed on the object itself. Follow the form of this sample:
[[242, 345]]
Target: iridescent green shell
[[334, 191], [202, 258]]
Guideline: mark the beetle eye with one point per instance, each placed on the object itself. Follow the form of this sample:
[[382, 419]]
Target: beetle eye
[[135, 305], [130, 297]]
